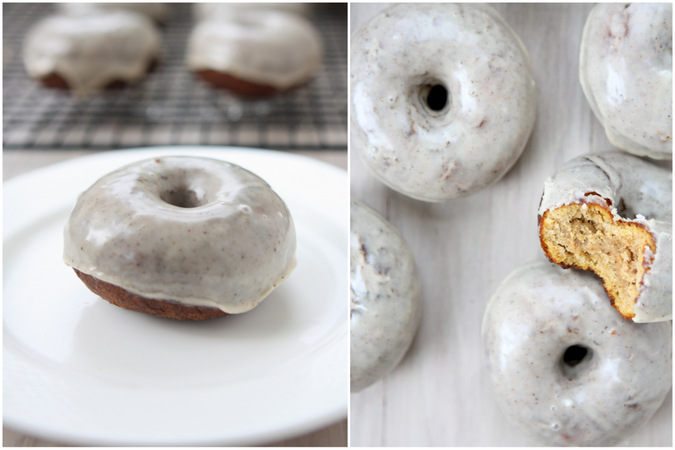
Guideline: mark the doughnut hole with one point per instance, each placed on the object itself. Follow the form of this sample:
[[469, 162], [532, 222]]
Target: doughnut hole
[[181, 196], [437, 97], [587, 237], [434, 97], [575, 360], [186, 188]]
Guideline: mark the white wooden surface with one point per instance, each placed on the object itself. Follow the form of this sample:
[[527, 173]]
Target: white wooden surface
[[16, 162], [439, 395]]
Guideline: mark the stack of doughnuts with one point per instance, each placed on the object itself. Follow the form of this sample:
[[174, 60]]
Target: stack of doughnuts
[[254, 52], [91, 49]]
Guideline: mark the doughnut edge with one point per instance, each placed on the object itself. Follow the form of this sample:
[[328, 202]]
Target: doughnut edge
[[159, 308]]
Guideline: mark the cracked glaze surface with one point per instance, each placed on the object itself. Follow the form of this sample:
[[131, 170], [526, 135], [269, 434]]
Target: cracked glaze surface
[[625, 68], [193, 230], [386, 298], [429, 154], [91, 48], [538, 312], [272, 48], [643, 191]]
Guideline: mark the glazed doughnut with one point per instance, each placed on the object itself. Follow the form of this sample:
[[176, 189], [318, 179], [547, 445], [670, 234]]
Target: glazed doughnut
[[158, 12], [565, 367], [612, 213], [625, 68], [181, 237], [255, 53], [386, 297], [92, 50], [443, 98]]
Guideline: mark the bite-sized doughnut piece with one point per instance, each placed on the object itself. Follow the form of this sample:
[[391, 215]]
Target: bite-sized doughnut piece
[[565, 367], [264, 51], [159, 12], [386, 297], [224, 11], [443, 98], [612, 213], [92, 50], [625, 68], [181, 237]]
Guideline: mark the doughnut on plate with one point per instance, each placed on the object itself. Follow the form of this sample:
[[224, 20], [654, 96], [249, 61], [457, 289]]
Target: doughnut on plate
[[80, 370]]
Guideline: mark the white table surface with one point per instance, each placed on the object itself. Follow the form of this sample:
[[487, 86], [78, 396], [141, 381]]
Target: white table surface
[[16, 162], [440, 395]]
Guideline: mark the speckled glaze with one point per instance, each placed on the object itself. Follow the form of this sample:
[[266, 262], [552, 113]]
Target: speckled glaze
[[386, 297], [625, 68], [90, 49], [159, 12], [228, 251], [643, 191], [270, 48], [489, 114], [538, 312]]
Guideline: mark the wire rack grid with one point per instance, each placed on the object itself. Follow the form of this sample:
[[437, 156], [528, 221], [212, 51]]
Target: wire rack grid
[[171, 106]]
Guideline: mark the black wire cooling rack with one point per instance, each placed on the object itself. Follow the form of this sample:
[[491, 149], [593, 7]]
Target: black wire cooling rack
[[171, 106]]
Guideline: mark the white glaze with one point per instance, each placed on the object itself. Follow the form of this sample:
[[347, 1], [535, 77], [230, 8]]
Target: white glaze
[[386, 297], [228, 252], [158, 12], [91, 49], [472, 142], [271, 48], [539, 311], [643, 191], [625, 68], [224, 11]]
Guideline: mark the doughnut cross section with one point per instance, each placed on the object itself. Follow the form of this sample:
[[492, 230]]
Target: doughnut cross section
[[587, 237], [611, 213]]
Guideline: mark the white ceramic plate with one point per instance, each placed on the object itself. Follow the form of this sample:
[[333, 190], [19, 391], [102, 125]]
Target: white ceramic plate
[[83, 371]]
